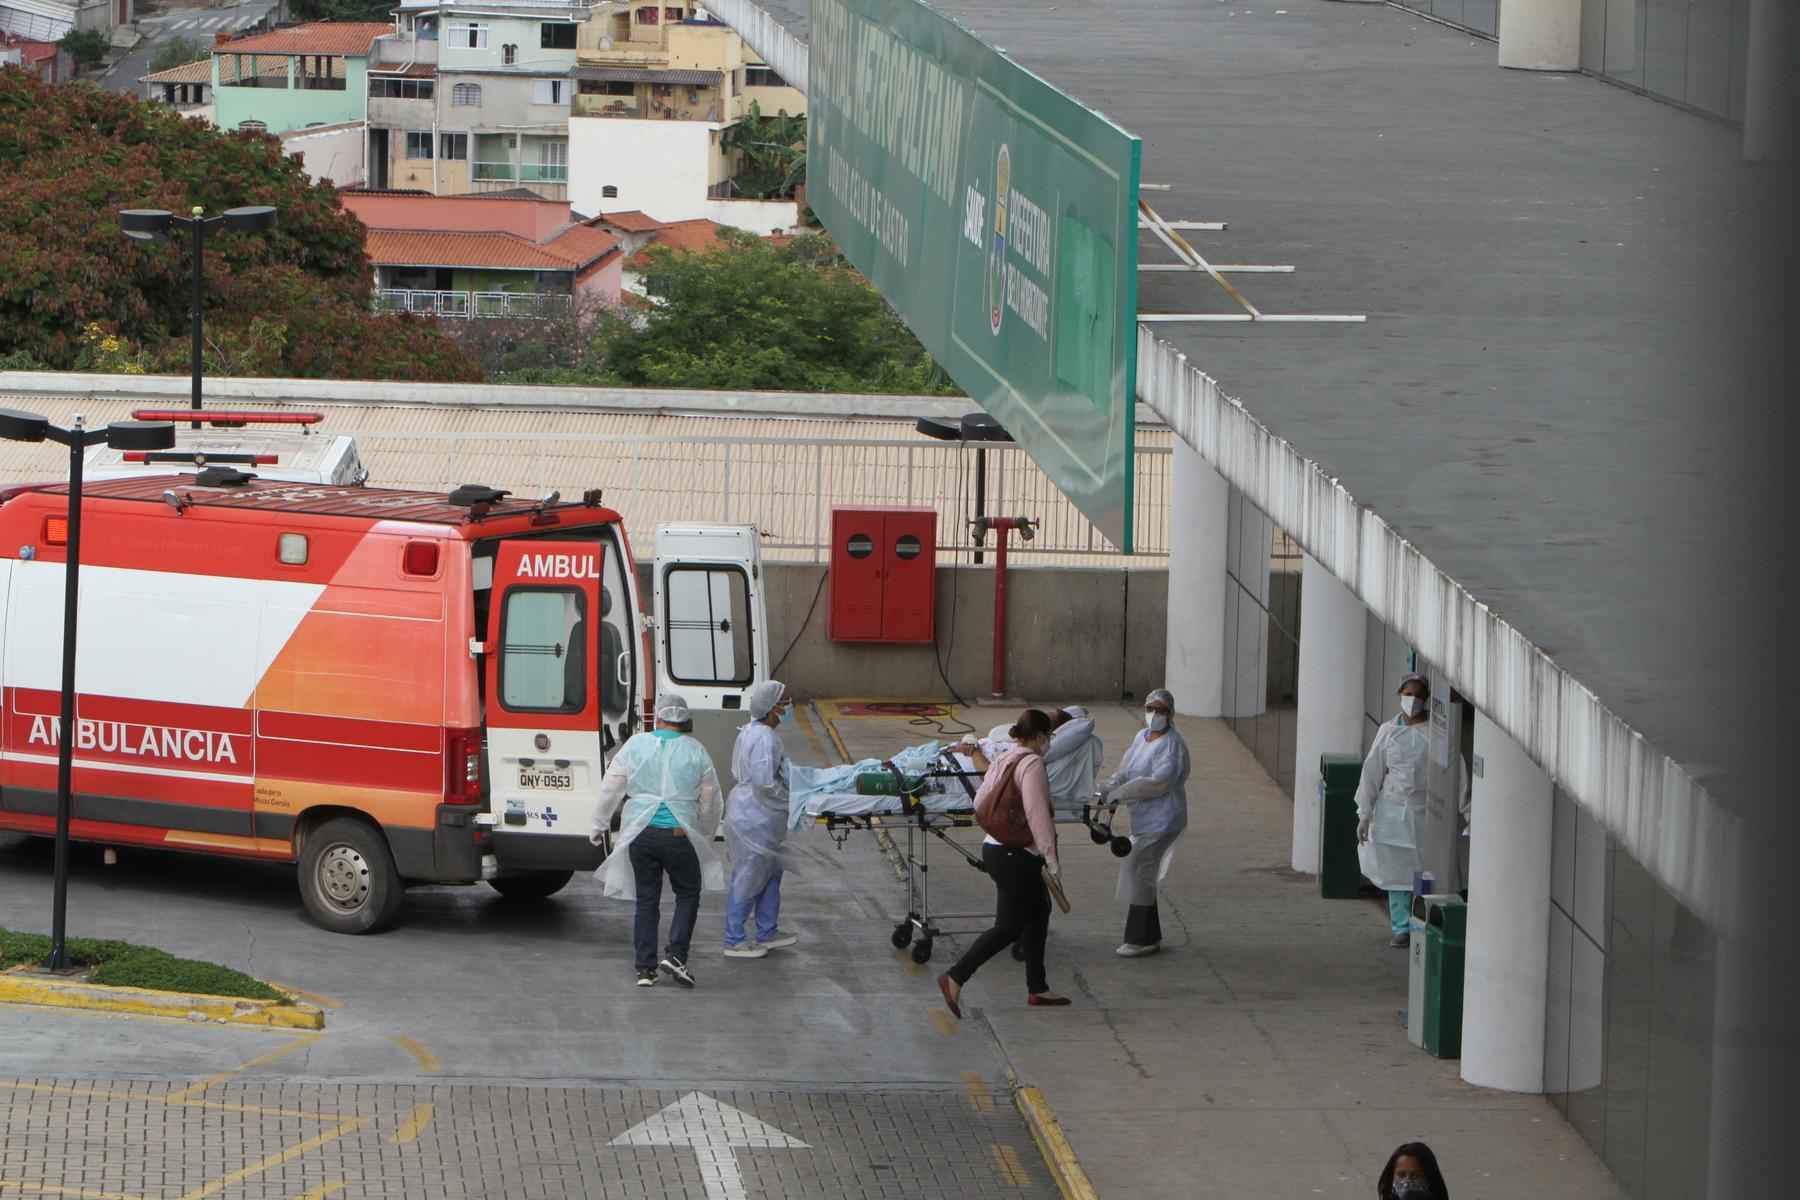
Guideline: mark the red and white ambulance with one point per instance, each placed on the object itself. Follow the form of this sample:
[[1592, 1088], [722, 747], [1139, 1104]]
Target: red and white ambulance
[[383, 687]]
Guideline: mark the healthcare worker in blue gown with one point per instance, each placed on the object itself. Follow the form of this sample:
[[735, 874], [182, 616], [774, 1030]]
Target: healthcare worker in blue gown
[[756, 826], [1152, 779], [1390, 804]]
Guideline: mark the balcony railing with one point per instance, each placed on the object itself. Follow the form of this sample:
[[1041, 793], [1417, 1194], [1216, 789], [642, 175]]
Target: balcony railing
[[524, 173], [529, 306]]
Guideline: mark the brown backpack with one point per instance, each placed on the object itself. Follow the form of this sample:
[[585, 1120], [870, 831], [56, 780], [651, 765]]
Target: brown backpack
[[1000, 805]]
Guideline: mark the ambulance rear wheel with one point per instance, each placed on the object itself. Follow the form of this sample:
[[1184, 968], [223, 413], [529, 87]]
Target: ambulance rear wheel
[[531, 885], [347, 878]]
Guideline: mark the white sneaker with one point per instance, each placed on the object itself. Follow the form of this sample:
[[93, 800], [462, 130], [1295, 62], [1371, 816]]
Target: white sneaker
[[745, 950], [781, 941], [1130, 951]]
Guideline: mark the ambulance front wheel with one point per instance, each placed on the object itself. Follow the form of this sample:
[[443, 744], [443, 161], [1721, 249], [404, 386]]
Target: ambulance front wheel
[[531, 885], [348, 879]]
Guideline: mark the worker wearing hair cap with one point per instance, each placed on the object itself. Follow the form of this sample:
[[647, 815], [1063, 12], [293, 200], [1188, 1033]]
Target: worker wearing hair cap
[[670, 793], [1152, 778], [756, 821], [1390, 804]]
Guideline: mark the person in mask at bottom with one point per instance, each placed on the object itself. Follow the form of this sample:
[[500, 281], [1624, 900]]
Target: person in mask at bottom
[[1390, 804], [1152, 778], [756, 820], [670, 792], [1412, 1174]]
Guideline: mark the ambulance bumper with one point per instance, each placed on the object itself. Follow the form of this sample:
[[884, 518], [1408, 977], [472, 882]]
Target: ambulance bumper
[[544, 851]]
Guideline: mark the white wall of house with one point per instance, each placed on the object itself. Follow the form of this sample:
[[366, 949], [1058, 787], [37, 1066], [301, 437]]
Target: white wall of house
[[761, 217], [329, 155], [659, 167]]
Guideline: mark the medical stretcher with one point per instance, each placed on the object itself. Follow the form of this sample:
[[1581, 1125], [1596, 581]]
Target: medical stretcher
[[932, 806]]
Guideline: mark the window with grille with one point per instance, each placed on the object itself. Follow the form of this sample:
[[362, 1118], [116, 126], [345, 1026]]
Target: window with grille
[[466, 95], [509, 55], [387, 87]]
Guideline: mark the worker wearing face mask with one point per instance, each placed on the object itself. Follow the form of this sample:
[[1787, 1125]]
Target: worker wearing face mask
[[1152, 778], [756, 822], [1412, 1174], [1390, 804]]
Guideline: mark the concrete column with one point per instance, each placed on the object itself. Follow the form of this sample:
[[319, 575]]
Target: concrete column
[[1334, 634], [1506, 970], [1768, 82], [1194, 666], [1246, 690], [1540, 35]]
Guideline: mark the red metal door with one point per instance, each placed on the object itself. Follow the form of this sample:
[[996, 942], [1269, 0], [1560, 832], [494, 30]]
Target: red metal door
[[909, 555], [856, 574]]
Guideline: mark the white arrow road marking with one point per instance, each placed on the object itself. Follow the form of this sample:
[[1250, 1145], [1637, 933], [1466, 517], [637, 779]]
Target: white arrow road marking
[[715, 1131]]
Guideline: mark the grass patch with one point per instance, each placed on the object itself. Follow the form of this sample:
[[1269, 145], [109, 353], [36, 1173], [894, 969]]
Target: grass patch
[[121, 964]]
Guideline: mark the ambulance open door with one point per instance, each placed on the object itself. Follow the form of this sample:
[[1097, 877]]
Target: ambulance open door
[[711, 628], [544, 692]]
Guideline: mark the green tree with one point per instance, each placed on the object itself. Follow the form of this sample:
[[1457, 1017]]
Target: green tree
[[86, 46], [177, 53], [771, 154], [749, 314], [341, 10], [294, 301]]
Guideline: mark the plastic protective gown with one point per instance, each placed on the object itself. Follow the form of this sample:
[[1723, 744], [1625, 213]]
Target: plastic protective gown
[[651, 770], [756, 815], [1153, 775], [1393, 787], [1072, 763]]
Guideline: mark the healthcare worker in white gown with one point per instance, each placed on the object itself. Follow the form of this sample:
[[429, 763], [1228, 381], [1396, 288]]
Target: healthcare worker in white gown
[[1152, 777], [1390, 804], [670, 791], [756, 824]]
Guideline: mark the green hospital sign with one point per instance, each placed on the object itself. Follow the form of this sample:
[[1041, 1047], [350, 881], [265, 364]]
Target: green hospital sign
[[999, 217]]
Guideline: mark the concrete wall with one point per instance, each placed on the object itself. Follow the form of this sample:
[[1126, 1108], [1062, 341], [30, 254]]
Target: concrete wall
[[1073, 633], [282, 109], [760, 217], [659, 167]]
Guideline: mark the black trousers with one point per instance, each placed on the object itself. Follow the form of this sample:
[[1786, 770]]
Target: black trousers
[[656, 852], [1143, 925], [1021, 914]]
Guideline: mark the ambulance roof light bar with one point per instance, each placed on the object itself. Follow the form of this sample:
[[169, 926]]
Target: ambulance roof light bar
[[199, 459], [221, 418]]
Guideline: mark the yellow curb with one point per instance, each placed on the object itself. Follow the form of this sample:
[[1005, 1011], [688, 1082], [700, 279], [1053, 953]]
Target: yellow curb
[[17, 988], [1058, 1154]]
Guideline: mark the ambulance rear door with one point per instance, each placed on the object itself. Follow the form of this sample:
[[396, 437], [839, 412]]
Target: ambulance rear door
[[712, 641], [545, 754]]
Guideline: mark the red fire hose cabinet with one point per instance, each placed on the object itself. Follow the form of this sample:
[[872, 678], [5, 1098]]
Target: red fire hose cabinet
[[883, 574]]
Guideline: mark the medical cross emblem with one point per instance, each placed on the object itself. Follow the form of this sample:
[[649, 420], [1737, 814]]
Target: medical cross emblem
[[549, 816]]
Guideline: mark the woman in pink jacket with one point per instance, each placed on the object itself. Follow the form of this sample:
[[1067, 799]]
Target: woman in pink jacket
[[1022, 901]]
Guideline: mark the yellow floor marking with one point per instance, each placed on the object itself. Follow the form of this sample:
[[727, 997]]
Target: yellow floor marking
[[275, 1160], [260, 1061], [428, 1062], [45, 1189], [812, 738], [1012, 1171], [324, 1190], [946, 1024], [838, 741], [415, 1125], [46, 1089], [980, 1098], [309, 997]]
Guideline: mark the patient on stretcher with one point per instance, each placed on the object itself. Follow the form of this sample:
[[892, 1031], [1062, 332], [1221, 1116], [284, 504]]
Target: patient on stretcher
[[1071, 762]]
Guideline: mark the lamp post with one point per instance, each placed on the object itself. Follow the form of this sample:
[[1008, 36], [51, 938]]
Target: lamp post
[[980, 427], [120, 435], [153, 224]]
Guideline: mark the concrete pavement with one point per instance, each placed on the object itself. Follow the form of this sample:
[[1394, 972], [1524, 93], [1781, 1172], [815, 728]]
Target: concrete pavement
[[1262, 1052]]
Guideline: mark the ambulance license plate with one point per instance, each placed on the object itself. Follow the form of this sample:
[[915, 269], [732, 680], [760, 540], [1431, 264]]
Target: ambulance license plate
[[546, 781]]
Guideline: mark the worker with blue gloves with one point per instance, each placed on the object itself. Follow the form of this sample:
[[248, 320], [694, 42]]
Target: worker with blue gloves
[[756, 823], [1390, 804], [1152, 778], [670, 793]]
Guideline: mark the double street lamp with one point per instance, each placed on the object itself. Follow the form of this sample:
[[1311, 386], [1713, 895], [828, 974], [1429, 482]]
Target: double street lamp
[[19, 426], [153, 224]]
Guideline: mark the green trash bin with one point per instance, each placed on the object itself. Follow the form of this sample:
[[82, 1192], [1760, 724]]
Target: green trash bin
[[1340, 873], [1446, 917]]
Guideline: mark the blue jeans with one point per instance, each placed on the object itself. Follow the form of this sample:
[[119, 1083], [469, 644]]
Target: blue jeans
[[1400, 912], [766, 904]]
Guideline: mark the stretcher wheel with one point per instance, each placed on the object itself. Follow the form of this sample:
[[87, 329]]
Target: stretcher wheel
[[921, 951], [1121, 846], [902, 936], [1098, 835]]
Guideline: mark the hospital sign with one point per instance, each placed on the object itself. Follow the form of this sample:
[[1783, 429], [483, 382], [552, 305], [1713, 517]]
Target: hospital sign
[[999, 217]]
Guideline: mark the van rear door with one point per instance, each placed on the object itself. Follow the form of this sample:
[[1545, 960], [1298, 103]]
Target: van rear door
[[712, 641], [544, 749]]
